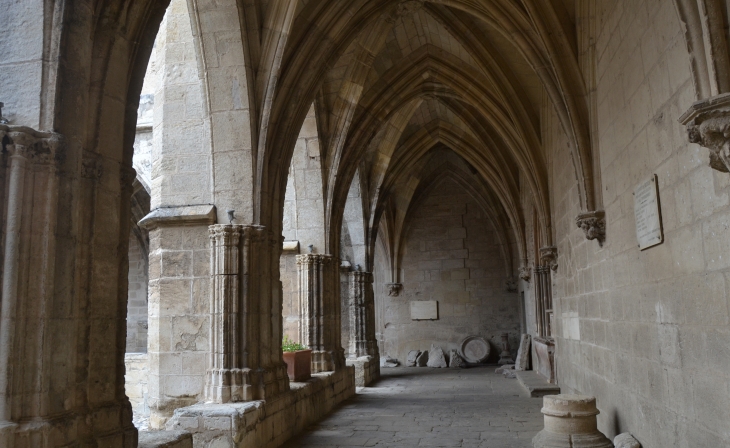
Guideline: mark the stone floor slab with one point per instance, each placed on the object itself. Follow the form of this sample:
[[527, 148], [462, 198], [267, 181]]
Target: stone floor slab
[[412, 407]]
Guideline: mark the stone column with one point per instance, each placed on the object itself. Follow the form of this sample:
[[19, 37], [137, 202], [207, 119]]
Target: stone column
[[61, 309], [318, 302], [362, 315], [363, 347], [245, 341]]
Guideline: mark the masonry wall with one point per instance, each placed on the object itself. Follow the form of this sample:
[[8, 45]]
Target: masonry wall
[[137, 298], [452, 255], [645, 331]]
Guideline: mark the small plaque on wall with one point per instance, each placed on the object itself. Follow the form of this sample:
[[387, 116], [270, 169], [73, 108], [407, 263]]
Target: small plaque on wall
[[425, 310], [647, 213]]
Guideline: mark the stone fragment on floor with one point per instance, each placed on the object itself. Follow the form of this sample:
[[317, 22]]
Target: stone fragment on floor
[[626, 440], [436, 357], [387, 361], [455, 360], [412, 357], [523, 353], [422, 359]]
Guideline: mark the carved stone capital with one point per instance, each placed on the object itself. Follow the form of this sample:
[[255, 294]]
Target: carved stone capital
[[525, 273], [305, 259], [35, 146], [708, 124], [549, 257], [593, 225], [394, 289]]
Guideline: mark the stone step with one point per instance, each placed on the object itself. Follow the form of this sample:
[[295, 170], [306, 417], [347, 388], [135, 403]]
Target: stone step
[[535, 384]]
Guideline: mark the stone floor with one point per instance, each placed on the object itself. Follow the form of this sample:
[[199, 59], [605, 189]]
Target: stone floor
[[432, 407]]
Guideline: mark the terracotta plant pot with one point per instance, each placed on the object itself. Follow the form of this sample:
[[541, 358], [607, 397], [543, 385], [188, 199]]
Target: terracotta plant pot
[[298, 365]]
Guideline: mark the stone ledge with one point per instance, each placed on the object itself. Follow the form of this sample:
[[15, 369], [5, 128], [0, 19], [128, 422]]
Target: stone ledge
[[187, 215], [367, 369], [267, 423], [165, 439], [535, 384]]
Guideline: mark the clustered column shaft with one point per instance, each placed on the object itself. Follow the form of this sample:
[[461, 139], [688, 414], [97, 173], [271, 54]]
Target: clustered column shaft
[[362, 315], [244, 361], [543, 300], [318, 301]]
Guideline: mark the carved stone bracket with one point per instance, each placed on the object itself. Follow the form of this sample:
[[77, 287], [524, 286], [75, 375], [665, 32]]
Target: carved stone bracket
[[525, 273], [549, 257], [593, 225], [394, 289], [708, 124]]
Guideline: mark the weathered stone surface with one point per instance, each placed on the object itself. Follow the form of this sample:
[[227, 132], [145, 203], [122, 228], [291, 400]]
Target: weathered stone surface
[[523, 353], [165, 439], [422, 359], [455, 360], [625, 440], [504, 368], [436, 357], [412, 357]]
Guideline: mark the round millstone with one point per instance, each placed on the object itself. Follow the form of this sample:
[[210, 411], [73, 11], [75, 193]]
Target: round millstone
[[474, 349]]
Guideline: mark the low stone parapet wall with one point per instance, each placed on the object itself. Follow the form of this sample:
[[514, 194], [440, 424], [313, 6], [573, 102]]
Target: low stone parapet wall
[[267, 423], [367, 370]]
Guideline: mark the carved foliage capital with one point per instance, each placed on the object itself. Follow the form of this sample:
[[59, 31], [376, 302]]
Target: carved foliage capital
[[708, 124], [35, 146], [549, 257], [312, 259], [593, 225]]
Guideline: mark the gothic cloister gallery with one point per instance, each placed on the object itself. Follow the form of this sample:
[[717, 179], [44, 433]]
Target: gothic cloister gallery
[[188, 185]]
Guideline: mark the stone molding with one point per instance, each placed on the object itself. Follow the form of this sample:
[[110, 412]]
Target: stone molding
[[394, 289], [549, 257], [708, 124], [186, 215], [593, 225]]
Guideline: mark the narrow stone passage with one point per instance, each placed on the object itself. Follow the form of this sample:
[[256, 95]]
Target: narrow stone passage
[[432, 407]]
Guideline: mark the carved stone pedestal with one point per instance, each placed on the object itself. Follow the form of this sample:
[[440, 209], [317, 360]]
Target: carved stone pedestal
[[570, 422]]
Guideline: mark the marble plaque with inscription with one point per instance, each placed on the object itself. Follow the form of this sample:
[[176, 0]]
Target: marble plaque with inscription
[[425, 310], [646, 211]]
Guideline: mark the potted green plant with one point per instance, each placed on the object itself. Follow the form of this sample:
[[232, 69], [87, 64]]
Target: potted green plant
[[298, 359]]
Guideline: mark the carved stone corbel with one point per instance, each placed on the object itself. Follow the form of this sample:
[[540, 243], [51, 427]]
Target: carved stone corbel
[[708, 124], [394, 289], [549, 257], [525, 273], [593, 225]]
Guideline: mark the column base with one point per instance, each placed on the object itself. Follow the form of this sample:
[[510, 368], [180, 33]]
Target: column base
[[239, 385]]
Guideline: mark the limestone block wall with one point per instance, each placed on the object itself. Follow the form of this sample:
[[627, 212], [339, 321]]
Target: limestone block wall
[[135, 382], [179, 299], [137, 298], [646, 332], [452, 255]]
